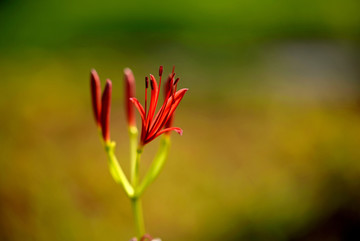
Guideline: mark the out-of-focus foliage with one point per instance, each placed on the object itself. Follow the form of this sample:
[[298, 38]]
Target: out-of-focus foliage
[[271, 123]]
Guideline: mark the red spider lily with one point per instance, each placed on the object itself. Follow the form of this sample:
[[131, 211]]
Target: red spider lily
[[152, 126], [129, 93], [101, 105]]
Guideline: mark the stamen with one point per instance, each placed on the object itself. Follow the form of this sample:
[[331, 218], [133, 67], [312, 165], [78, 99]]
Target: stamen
[[146, 87], [151, 85], [146, 82], [176, 81], [161, 70]]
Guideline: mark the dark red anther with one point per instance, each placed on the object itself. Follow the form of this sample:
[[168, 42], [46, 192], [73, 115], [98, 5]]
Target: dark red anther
[[176, 81], [161, 70], [105, 111], [151, 85], [146, 82]]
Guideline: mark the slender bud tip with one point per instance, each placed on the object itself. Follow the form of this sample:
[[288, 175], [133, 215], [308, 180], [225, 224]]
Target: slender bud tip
[[109, 83], [127, 71]]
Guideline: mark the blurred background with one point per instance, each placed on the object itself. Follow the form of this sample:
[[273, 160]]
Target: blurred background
[[271, 144]]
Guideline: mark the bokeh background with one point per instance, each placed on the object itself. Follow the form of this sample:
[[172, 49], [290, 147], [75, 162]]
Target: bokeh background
[[271, 144]]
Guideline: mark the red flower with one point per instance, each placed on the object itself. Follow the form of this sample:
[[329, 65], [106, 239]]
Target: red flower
[[153, 126]]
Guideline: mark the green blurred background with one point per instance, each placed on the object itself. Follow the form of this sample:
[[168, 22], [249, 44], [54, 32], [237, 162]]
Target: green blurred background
[[271, 144]]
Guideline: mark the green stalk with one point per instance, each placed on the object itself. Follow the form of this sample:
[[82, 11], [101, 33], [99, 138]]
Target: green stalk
[[135, 201], [116, 170], [133, 133], [156, 165], [138, 216]]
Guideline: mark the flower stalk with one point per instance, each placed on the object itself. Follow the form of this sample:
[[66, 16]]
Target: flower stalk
[[116, 170]]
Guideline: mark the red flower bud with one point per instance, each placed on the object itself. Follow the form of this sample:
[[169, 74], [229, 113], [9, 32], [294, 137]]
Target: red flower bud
[[129, 93], [95, 95], [105, 110]]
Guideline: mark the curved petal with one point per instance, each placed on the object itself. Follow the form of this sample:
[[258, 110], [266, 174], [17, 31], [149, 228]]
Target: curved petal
[[170, 108], [176, 129], [153, 100], [139, 107]]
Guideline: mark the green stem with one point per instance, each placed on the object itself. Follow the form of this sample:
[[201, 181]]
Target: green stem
[[116, 170], [138, 215], [156, 165], [133, 133], [135, 201], [136, 176]]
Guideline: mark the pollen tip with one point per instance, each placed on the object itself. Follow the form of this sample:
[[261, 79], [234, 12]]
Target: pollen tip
[[176, 81], [146, 82], [161, 70]]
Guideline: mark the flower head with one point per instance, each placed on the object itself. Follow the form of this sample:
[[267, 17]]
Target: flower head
[[154, 125]]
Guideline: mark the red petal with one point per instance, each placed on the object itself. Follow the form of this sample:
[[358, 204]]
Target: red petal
[[139, 107], [153, 101], [172, 104], [177, 129]]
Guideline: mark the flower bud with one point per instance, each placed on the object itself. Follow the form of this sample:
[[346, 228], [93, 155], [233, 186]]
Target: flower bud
[[95, 95], [105, 111], [129, 93]]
